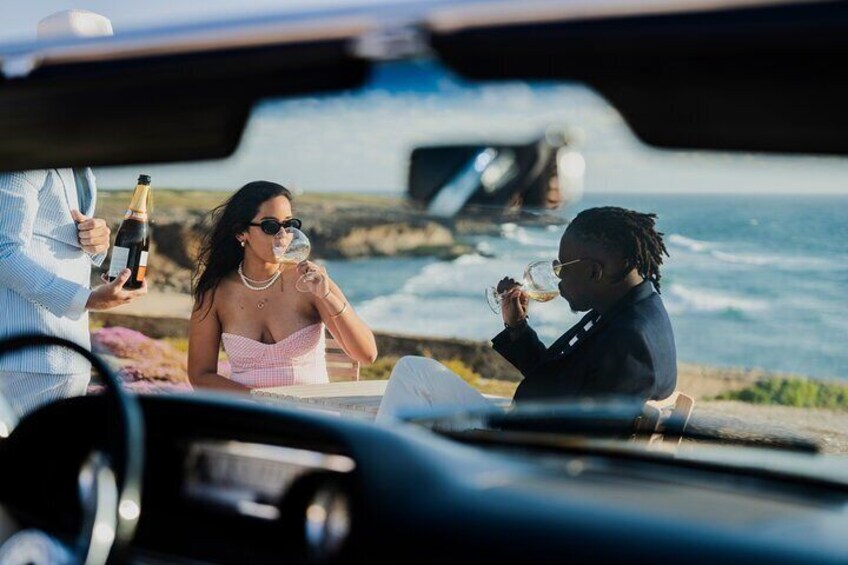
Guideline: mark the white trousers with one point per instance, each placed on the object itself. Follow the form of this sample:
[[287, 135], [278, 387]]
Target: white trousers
[[419, 382], [24, 392]]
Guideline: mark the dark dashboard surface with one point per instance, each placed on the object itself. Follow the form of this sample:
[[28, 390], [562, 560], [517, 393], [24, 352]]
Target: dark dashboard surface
[[232, 481]]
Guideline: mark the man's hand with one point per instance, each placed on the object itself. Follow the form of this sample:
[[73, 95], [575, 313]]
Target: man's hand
[[113, 294], [514, 301], [93, 233]]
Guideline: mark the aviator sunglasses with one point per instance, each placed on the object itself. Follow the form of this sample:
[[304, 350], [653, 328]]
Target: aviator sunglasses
[[273, 227], [557, 265]]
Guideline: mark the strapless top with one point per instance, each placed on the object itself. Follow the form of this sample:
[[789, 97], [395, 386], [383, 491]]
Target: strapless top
[[294, 360]]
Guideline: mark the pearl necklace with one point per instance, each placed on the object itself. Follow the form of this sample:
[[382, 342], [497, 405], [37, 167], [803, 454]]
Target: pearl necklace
[[260, 285]]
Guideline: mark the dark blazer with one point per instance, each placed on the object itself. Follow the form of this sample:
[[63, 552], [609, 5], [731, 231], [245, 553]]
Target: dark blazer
[[628, 352]]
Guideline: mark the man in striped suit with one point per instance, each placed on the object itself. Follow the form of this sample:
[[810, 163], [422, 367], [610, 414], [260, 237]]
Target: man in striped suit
[[48, 242]]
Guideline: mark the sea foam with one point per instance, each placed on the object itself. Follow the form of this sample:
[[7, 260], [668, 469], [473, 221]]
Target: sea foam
[[681, 299]]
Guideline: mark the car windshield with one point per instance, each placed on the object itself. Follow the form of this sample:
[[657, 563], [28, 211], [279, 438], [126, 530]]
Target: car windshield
[[710, 285]]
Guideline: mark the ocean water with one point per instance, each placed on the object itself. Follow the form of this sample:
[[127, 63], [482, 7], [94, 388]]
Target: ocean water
[[752, 281]]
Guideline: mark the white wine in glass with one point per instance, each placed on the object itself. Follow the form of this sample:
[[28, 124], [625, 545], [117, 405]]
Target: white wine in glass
[[542, 295], [540, 283], [297, 251], [298, 248]]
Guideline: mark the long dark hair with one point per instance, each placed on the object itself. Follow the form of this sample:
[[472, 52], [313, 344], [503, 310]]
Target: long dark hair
[[220, 252]]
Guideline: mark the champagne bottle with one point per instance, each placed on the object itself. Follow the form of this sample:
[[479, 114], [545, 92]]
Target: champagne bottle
[[133, 238]]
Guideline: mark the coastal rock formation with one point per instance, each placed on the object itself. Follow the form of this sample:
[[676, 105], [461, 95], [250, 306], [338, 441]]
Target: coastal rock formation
[[380, 239], [336, 231]]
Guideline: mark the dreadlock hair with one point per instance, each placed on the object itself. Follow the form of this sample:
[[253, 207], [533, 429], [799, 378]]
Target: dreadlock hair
[[626, 231]]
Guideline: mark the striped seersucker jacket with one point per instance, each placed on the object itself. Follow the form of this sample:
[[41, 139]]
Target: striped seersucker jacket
[[44, 273]]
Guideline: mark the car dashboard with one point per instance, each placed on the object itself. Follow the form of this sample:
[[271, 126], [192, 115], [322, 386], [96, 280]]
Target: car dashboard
[[230, 481]]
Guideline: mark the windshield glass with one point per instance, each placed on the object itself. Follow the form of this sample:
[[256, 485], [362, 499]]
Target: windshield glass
[[21, 18], [434, 211]]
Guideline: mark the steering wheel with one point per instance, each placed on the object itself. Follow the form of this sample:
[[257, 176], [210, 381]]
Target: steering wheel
[[110, 510]]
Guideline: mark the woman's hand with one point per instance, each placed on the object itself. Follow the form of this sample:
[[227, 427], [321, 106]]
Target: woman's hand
[[514, 301], [314, 278]]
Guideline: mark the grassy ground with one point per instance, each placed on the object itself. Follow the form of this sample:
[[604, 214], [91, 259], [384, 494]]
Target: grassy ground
[[794, 391], [382, 369]]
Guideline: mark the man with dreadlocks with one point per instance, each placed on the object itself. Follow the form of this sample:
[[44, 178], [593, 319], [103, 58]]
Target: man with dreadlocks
[[609, 265]]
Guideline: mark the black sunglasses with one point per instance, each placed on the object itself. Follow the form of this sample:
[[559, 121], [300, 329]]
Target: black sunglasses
[[273, 227]]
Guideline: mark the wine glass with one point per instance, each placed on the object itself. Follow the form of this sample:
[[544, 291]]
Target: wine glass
[[540, 283], [297, 251]]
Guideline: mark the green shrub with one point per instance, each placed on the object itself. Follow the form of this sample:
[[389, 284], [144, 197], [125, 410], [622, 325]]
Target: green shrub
[[381, 369], [464, 371], [796, 392], [497, 387]]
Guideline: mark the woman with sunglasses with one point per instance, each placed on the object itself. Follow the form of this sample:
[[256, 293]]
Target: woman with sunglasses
[[247, 300]]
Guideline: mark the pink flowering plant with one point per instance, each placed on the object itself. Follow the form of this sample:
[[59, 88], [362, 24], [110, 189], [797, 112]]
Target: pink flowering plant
[[144, 364]]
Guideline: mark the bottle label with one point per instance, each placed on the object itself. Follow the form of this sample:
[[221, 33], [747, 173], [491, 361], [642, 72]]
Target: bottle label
[[120, 255], [142, 267]]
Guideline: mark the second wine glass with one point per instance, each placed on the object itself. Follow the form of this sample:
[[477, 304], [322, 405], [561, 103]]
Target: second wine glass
[[297, 251]]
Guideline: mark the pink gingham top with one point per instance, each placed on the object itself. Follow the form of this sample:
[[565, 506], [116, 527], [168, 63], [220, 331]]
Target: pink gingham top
[[294, 360]]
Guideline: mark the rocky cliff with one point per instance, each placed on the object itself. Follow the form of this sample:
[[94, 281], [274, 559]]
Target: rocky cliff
[[338, 229]]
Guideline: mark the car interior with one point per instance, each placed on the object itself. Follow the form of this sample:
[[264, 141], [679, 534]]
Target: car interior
[[432, 148]]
